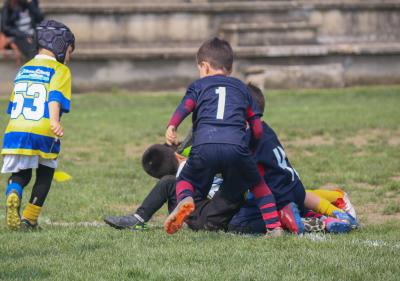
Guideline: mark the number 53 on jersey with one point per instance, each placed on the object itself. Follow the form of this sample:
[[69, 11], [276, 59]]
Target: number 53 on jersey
[[29, 101]]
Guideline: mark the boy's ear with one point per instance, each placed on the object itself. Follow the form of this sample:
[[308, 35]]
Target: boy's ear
[[204, 66], [207, 67]]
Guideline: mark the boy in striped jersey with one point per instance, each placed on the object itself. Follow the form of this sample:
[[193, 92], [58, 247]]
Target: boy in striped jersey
[[42, 92]]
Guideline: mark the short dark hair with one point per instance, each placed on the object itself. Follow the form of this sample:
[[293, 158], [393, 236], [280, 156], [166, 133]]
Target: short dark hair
[[217, 52], [257, 96], [159, 160]]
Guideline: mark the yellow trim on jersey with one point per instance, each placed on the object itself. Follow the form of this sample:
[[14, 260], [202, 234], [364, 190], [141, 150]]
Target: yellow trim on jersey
[[29, 152]]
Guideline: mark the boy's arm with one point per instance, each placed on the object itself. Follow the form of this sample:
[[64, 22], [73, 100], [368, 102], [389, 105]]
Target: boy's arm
[[59, 98], [256, 128], [54, 111], [60, 89], [254, 119], [187, 105]]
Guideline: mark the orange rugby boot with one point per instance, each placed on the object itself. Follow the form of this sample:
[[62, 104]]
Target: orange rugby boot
[[176, 219]]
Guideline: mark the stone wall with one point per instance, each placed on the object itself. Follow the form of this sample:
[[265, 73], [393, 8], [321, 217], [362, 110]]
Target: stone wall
[[151, 44]]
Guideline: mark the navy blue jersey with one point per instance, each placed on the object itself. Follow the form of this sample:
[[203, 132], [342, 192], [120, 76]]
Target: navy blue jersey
[[273, 164], [221, 106]]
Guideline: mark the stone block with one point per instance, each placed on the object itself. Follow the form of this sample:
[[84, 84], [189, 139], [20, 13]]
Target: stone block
[[297, 76], [260, 34]]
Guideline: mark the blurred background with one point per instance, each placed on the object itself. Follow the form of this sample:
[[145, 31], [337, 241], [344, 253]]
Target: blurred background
[[151, 45]]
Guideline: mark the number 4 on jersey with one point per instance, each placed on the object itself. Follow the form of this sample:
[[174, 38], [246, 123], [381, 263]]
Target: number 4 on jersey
[[281, 158]]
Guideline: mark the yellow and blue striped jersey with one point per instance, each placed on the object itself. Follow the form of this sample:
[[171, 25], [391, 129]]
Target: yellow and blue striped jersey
[[37, 83]]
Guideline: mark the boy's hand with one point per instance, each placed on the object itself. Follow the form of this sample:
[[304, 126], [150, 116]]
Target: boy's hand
[[170, 135], [56, 128]]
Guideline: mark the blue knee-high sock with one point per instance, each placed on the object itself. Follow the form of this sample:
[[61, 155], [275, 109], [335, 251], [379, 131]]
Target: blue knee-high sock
[[13, 186]]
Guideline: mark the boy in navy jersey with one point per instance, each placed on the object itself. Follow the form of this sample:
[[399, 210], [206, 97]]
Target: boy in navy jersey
[[291, 197], [222, 107]]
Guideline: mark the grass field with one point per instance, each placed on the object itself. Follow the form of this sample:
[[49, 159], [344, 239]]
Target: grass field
[[347, 137]]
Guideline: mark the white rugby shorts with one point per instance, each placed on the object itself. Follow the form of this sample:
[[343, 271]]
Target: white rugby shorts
[[13, 163]]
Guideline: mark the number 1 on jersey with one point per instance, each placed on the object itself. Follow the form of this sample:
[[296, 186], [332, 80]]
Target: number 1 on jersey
[[221, 92]]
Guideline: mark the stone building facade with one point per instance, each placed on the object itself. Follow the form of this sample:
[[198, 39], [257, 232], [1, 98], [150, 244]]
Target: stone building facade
[[138, 44]]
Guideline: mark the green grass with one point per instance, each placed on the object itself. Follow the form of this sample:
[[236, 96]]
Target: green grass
[[347, 137]]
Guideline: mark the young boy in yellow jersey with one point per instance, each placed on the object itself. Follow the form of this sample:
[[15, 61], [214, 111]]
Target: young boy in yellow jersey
[[42, 93]]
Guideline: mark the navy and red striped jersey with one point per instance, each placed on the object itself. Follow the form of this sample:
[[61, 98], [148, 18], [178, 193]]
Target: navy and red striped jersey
[[273, 164], [221, 106]]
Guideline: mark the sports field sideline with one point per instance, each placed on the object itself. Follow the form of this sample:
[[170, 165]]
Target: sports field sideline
[[348, 137]]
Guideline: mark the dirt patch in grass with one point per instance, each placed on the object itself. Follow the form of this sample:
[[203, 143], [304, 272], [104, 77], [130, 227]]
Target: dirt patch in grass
[[366, 136], [373, 213], [82, 149], [357, 141], [395, 178], [292, 152], [394, 141], [133, 151], [308, 153], [364, 186], [313, 141], [82, 155], [384, 209], [361, 154]]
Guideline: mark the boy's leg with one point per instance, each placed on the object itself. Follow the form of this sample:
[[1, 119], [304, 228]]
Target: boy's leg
[[291, 208], [199, 170], [183, 210], [163, 191], [337, 197], [18, 181], [14, 191], [266, 203], [319, 204], [44, 177], [334, 219], [324, 207], [240, 172], [330, 195]]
